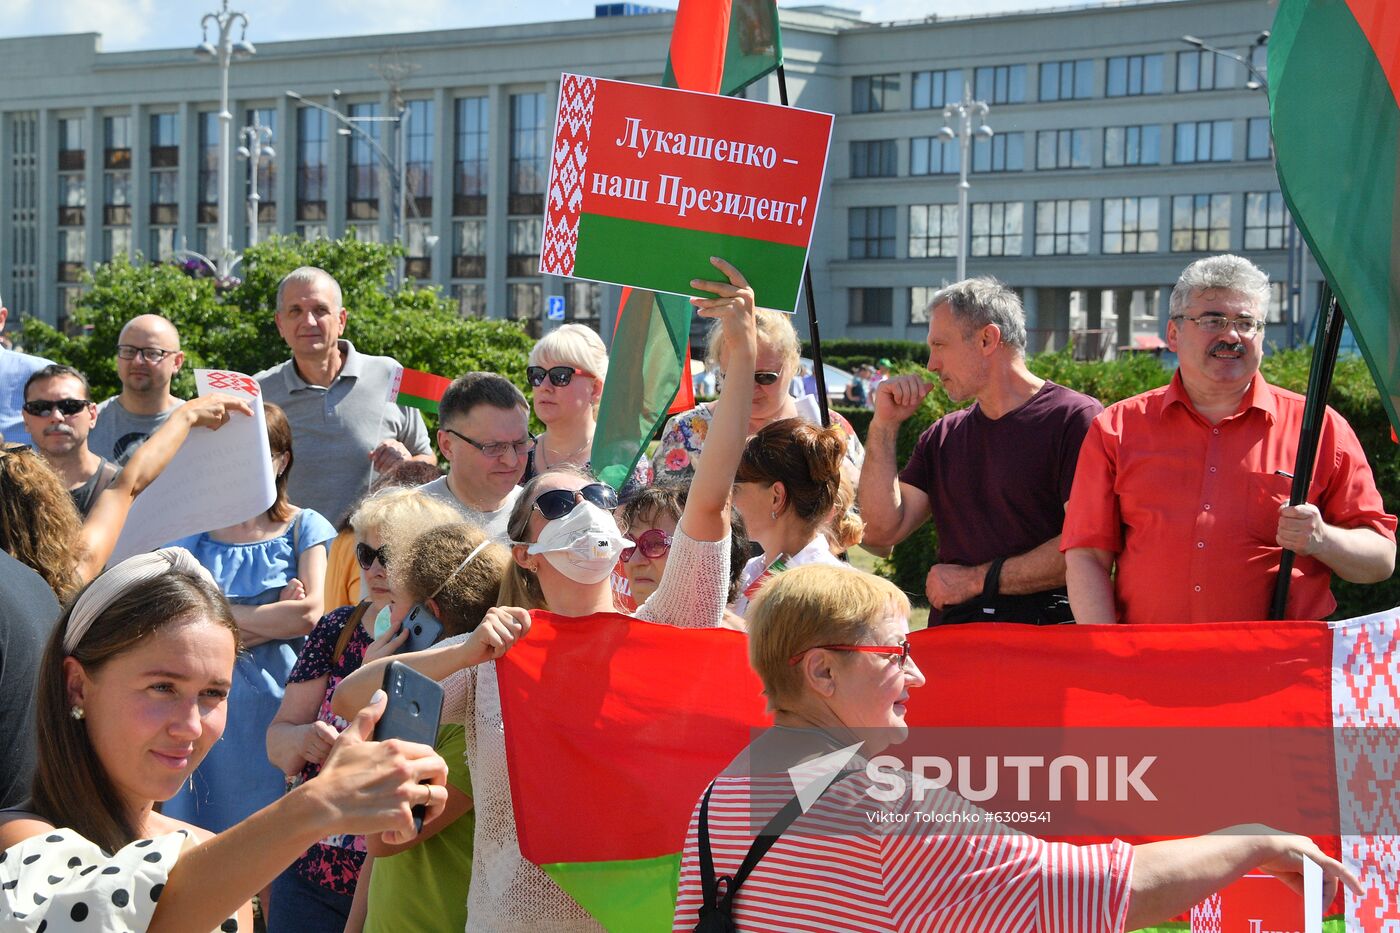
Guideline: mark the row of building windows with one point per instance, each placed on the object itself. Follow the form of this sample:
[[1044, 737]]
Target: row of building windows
[[1199, 222], [1199, 141], [1074, 79], [529, 169]]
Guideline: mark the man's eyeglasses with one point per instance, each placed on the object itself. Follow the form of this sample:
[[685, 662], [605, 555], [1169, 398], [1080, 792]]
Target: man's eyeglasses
[[366, 555], [559, 376], [152, 355], [763, 377], [560, 502], [1219, 323], [653, 543], [900, 651], [500, 448], [67, 407]]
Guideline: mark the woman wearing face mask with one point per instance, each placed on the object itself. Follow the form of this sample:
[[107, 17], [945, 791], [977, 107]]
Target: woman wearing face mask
[[316, 892], [684, 437], [566, 544], [786, 488]]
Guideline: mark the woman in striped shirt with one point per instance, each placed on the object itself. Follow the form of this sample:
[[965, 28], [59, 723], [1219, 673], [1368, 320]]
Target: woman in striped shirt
[[831, 647]]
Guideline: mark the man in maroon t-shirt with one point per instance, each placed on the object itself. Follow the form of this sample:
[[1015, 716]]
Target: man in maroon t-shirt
[[994, 476]]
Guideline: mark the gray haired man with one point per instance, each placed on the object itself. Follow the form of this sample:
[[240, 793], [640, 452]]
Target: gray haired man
[[994, 476]]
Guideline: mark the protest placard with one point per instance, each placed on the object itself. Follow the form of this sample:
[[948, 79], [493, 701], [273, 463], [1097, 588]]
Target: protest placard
[[216, 479], [647, 183]]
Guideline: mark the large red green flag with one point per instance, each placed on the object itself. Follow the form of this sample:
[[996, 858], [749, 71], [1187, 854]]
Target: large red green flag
[[1334, 83], [719, 47], [614, 726]]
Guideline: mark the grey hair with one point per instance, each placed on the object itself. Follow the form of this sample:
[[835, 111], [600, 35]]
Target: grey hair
[[1226, 272], [982, 300], [309, 275]]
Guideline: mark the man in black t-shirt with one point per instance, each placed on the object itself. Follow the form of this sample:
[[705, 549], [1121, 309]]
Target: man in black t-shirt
[[994, 476], [28, 611]]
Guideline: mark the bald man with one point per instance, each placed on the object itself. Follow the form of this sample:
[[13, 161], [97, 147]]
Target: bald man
[[148, 357]]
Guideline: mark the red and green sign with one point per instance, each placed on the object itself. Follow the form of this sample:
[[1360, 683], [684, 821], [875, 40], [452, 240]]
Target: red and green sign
[[648, 183]]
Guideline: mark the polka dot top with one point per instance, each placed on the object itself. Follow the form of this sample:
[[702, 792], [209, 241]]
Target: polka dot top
[[58, 882]]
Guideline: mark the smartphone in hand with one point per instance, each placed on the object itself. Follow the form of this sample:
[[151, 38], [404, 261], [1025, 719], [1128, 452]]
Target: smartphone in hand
[[424, 629], [412, 713]]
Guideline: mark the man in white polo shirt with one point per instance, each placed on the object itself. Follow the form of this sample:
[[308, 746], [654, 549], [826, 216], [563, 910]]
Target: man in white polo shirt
[[344, 427], [485, 436]]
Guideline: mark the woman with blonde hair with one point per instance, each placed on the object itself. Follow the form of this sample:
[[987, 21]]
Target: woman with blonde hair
[[315, 893], [683, 438], [831, 647], [454, 572], [565, 545]]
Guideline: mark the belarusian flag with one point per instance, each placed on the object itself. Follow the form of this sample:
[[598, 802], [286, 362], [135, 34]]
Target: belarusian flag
[[719, 47], [614, 727], [1334, 83], [418, 389]]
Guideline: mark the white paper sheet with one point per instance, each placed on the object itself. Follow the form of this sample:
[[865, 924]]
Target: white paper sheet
[[217, 478]]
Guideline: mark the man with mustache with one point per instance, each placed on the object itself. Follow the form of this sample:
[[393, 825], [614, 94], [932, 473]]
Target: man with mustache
[[1184, 489], [59, 415]]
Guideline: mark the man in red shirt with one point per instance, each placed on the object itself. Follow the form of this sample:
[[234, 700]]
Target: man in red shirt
[[1185, 488]]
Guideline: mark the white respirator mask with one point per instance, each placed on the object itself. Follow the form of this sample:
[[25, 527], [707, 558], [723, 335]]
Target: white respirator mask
[[583, 545]]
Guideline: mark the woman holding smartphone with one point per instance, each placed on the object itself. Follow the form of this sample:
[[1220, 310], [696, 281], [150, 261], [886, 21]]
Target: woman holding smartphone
[[133, 691], [565, 544]]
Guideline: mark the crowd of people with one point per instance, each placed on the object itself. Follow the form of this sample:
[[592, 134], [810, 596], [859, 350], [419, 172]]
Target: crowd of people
[[192, 728]]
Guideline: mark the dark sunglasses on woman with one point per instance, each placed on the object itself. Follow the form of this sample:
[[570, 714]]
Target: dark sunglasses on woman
[[762, 377], [653, 543], [366, 555], [559, 376], [67, 407], [560, 502]]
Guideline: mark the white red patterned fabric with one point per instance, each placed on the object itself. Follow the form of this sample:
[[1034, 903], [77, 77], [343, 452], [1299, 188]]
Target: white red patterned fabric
[[1365, 706], [571, 139], [1205, 916]]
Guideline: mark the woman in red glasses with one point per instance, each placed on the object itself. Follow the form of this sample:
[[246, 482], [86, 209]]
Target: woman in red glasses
[[831, 646], [566, 543], [566, 371], [685, 434]]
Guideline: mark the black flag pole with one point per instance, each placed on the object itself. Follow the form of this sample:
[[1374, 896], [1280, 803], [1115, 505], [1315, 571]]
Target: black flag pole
[[1324, 359], [818, 371]]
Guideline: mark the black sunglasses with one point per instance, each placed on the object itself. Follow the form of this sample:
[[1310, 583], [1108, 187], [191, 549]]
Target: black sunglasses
[[559, 376], [560, 502], [763, 377], [366, 555], [68, 407]]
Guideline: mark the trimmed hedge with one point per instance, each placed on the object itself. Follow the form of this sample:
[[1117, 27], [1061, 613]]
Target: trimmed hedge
[[1353, 395], [848, 354]]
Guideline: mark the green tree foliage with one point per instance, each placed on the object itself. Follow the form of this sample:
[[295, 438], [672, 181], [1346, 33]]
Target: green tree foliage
[[234, 329], [1353, 395]]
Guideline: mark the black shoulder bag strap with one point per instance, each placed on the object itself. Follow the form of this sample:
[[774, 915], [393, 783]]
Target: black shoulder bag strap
[[717, 906]]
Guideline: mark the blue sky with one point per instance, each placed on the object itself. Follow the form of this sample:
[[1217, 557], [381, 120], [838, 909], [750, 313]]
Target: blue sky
[[148, 24]]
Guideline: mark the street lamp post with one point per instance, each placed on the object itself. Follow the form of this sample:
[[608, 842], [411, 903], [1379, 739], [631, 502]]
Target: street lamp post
[[257, 145], [224, 53], [397, 170], [964, 113]]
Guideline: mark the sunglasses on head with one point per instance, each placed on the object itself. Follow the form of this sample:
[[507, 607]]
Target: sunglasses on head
[[68, 407], [559, 376], [366, 555], [560, 502], [653, 543]]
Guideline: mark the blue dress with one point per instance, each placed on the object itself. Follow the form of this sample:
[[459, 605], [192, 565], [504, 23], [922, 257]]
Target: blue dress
[[235, 779]]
